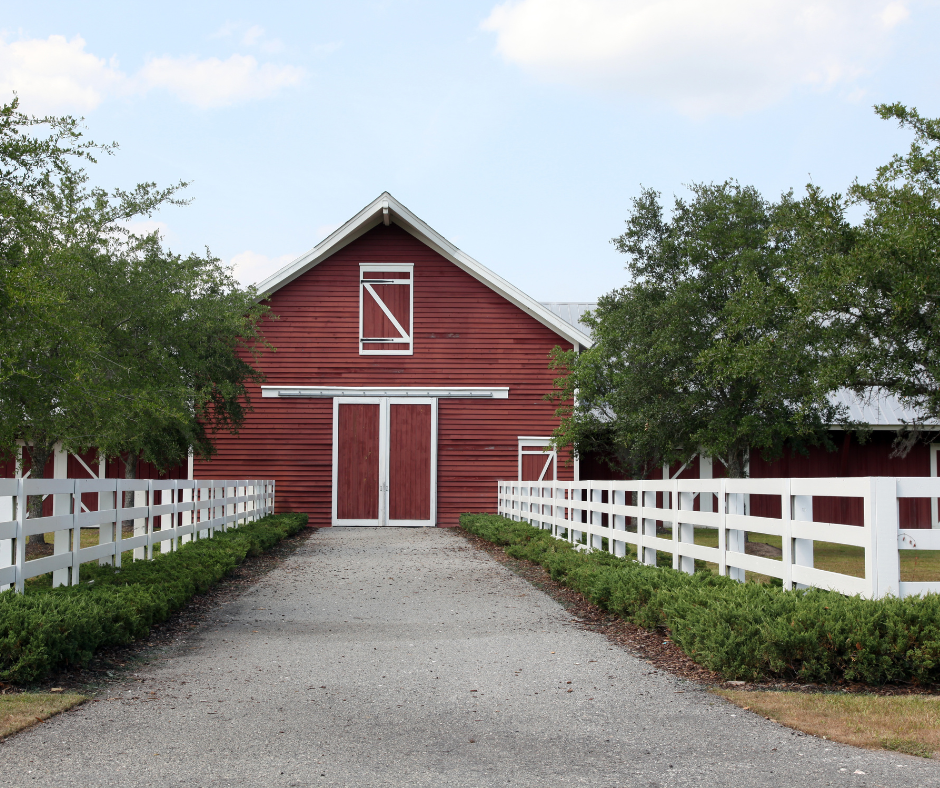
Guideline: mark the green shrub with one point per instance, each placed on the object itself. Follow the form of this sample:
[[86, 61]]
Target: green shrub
[[48, 628], [744, 631]]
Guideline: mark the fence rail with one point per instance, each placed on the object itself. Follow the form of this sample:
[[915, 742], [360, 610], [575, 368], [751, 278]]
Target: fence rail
[[613, 514], [165, 514]]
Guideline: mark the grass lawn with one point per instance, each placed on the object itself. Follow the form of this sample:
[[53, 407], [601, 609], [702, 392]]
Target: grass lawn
[[23, 709], [906, 723], [916, 565]]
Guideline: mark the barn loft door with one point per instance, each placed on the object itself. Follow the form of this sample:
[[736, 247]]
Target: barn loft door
[[384, 461]]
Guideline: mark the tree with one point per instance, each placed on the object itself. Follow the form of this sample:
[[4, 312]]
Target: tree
[[107, 340], [876, 286], [703, 351]]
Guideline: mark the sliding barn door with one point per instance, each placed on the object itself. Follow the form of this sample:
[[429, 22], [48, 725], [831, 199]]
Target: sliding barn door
[[357, 462], [410, 463], [385, 461]]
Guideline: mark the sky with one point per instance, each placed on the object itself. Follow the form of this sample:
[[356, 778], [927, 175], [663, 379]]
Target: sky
[[519, 130]]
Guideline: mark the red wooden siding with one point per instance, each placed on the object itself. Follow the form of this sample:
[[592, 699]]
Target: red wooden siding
[[357, 483], [465, 334], [532, 466], [409, 462]]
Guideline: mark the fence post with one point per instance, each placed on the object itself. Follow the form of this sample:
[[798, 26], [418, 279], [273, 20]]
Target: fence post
[[736, 504], [648, 528], [722, 532], [61, 504], [140, 525], [884, 537], [19, 557], [802, 511], [7, 515], [684, 532], [786, 538]]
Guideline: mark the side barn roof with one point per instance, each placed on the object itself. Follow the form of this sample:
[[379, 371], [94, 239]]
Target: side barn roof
[[385, 209]]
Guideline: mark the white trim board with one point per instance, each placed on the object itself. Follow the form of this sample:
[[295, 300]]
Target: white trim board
[[294, 392], [386, 208]]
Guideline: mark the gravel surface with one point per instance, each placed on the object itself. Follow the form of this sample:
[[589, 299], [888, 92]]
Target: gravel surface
[[405, 657]]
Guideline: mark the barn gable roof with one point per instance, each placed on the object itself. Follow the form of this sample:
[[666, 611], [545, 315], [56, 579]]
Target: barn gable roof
[[385, 209]]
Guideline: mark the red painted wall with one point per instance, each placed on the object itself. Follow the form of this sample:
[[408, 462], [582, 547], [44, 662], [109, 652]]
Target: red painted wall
[[465, 334]]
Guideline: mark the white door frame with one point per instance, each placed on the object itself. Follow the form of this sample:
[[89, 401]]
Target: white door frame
[[384, 404]]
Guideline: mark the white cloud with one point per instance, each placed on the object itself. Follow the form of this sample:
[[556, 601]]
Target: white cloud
[[56, 75], [726, 56], [252, 35], [250, 268], [211, 82]]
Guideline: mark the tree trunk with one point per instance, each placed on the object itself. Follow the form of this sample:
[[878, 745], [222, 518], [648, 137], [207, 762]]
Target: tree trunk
[[39, 455], [130, 472]]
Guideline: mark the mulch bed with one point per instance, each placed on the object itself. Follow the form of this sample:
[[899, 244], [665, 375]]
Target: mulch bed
[[655, 646], [113, 664]]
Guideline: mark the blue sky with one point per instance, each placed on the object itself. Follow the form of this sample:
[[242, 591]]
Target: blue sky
[[519, 130]]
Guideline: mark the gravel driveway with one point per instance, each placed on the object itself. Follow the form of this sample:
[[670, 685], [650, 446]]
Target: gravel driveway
[[405, 657]]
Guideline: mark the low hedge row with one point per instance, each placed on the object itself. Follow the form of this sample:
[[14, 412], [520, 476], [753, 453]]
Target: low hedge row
[[744, 631], [48, 628]]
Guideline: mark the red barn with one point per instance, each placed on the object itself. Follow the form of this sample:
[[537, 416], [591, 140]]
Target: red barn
[[408, 378]]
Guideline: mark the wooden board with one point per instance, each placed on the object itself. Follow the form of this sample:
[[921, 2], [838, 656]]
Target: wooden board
[[357, 467], [409, 462]]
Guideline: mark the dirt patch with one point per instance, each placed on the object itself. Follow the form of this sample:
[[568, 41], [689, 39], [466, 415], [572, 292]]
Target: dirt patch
[[762, 550]]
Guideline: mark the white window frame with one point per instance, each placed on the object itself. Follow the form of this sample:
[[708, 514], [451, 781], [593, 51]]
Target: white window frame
[[531, 445], [365, 284]]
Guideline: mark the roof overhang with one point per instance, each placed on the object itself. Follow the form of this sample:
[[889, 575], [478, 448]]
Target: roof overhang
[[385, 209]]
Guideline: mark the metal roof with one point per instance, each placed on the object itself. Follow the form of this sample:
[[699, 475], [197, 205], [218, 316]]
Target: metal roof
[[571, 312], [879, 410]]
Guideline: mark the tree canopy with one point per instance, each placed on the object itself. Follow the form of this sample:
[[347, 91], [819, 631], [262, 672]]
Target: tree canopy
[[703, 351], [107, 339]]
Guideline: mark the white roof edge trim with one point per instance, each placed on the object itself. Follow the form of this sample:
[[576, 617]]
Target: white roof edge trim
[[372, 215]]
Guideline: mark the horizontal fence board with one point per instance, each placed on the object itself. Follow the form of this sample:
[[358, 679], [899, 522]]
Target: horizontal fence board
[[97, 517], [39, 566], [920, 539], [96, 552], [917, 589], [41, 525], [256, 498], [577, 511]]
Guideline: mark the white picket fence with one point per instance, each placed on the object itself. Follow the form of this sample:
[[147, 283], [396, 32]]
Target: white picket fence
[[576, 511], [186, 510]]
